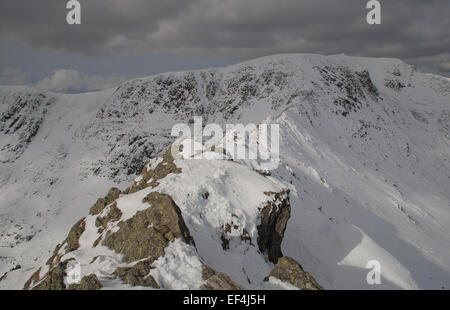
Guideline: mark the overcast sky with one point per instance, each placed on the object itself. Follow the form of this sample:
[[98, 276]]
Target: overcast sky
[[122, 39]]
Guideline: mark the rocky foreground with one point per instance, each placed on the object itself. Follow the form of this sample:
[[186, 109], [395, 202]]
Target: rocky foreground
[[130, 235]]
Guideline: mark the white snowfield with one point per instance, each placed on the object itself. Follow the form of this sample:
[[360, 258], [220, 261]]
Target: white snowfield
[[365, 151]]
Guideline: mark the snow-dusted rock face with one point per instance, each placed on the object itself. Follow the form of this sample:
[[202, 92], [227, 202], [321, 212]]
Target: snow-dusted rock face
[[21, 116], [168, 234], [364, 152]]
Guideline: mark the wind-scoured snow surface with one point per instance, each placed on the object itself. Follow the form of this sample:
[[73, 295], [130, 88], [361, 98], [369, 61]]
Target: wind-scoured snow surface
[[365, 151]]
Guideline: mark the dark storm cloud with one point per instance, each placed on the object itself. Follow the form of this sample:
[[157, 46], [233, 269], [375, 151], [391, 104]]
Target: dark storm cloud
[[414, 30], [107, 25]]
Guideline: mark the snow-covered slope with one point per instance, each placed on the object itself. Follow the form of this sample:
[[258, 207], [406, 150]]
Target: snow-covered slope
[[364, 151], [178, 217]]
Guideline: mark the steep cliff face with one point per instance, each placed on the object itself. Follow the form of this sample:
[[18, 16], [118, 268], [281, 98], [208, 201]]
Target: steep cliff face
[[22, 114], [364, 152], [142, 236]]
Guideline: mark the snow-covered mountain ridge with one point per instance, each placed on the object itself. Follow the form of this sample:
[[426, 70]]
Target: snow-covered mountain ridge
[[364, 151], [178, 227]]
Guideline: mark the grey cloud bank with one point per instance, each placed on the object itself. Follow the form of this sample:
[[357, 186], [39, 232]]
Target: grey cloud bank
[[232, 30]]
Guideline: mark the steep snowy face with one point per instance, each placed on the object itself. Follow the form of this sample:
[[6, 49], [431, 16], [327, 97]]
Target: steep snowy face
[[364, 150], [367, 154], [22, 113]]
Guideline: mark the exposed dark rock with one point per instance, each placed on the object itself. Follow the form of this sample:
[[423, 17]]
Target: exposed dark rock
[[56, 257], [164, 168], [5, 275], [32, 280], [54, 279], [366, 82], [147, 233], [394, 84], [97, 241], [21, 121], [245, 236], [88, 283], [289, 270], [274, 218], [225, 242], [114, 214], [137, 275], [217, 280], [101, 203], [74, 235], [226, 235], [205, 195]]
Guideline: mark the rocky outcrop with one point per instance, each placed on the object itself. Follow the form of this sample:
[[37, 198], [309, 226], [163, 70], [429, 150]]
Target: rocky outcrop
[[147, 239], [87, 283], [274, 218], [73, 237], [33, 280], [150, 176], [149, 232], [114, 214], [137, 275], [101, 203], [289, 270], [217, 280], [55, 280], [142, 239]]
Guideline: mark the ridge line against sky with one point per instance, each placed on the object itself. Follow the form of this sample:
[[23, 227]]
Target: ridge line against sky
[[119, 40]]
